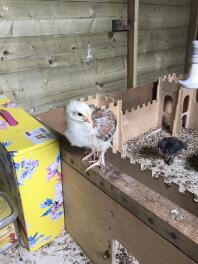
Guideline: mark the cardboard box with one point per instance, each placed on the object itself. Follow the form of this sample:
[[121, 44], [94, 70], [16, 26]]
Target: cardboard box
[[30, 171]]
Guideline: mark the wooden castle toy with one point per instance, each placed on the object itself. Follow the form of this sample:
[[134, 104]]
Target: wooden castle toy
[[140, 109]]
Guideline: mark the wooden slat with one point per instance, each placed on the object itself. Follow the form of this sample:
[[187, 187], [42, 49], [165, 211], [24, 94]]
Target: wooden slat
[[31, 10], [98, 1], [106, 1], [133, 13], [53, 17], [58, 60], [47, 86], [166, 2], [159, 16], [160, 39], [41, 105], [154, 76], [22, 47], [28, 53], [45, 79], [54, 27], [156, 61], [6, 28]]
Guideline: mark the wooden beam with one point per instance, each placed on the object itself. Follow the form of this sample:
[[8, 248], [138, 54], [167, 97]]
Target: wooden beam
[[133, 12], [192, 33]]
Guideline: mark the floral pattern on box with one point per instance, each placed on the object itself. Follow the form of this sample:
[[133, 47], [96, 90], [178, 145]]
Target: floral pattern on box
[[25, 170], [54, 207], [37, 238]]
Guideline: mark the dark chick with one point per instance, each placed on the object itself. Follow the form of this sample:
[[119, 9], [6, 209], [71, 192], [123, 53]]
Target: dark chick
[[170, 147]]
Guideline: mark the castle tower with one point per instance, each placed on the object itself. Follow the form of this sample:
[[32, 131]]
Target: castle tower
[[189, 95], [177, 105], [167, 94], [184, 109]]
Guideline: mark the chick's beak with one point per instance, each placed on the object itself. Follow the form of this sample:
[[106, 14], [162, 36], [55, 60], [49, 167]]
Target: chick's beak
[[88, 119]]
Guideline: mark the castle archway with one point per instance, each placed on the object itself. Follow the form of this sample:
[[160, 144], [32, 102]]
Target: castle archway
[[168, 104], [185, 104], [167, 112]]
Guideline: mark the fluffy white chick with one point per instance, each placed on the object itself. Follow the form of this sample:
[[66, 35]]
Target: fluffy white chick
[[90, 127]]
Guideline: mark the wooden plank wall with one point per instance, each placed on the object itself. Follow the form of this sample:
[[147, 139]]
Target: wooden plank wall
[[163, 31], [44, 45]]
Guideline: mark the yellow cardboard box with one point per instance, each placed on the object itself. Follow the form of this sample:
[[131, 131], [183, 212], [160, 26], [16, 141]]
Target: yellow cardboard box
[[34, 181]]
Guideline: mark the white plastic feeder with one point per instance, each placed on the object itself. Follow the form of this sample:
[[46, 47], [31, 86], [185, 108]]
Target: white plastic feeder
[[192, 81]]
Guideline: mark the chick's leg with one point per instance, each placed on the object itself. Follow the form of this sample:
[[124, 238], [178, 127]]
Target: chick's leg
[[95, 157], [100, 162], [89, 155], [103, 158]]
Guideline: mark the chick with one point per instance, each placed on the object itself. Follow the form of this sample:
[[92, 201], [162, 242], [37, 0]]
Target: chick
[[90, 127], [170, 147]]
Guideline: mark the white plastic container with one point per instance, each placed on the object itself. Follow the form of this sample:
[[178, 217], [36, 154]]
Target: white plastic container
[[192, 80], [8, 226]]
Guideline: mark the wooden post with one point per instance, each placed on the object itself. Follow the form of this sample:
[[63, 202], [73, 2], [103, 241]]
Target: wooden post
[[192, 33], [117, 139], [133, 12]]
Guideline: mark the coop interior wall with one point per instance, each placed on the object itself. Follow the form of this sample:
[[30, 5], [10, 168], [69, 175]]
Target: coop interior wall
[[44, 47], [162, 38]]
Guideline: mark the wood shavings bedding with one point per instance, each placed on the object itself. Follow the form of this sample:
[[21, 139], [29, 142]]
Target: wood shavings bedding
[[63, 250], [184, 171]]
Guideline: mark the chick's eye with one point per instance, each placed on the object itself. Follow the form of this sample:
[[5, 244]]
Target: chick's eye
[[79, 114]]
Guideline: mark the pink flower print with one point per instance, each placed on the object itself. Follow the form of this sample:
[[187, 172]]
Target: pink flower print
[[59, 193], [25, 170], [52, 170], [57, 211], [59, 177], [54, 208]]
